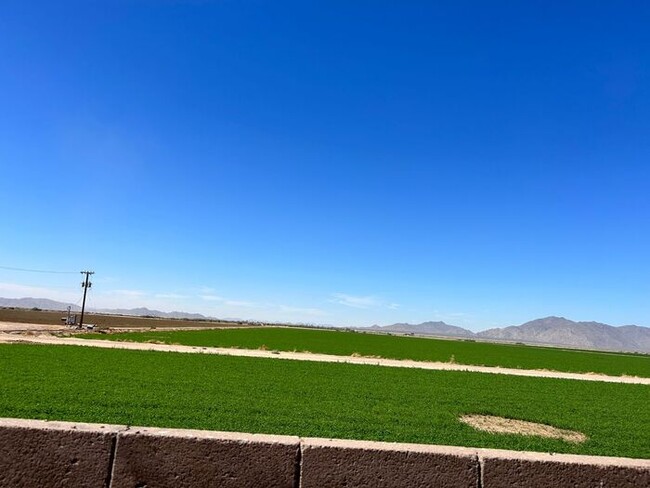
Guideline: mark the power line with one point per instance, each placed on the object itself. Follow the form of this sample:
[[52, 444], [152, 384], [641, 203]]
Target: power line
[[37, 270]]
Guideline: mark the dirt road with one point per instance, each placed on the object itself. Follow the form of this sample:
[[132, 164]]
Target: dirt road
[[19, 327]]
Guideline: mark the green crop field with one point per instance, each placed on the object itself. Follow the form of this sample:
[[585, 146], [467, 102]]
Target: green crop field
[[199, 391], [399, 347]]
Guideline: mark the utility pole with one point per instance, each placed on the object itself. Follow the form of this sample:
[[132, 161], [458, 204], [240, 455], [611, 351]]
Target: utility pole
[[85, 284]]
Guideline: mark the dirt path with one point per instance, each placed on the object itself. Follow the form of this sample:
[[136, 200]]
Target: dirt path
[[22, 327], [324, 358]]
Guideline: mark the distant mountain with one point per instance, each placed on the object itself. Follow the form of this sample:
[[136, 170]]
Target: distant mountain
[[554, 331], [143, 311], [639, 335], [425, 328], [42, 303], [47, 304], [564, 332]]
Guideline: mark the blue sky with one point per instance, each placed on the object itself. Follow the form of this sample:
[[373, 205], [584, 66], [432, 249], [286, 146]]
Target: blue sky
[[347, 163]]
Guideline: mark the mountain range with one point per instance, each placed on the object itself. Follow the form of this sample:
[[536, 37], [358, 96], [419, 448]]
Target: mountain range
[[555, 331], [47, 304], [426, 328]]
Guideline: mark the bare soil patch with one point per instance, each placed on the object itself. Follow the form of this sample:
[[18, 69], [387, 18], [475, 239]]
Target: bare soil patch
[[27, 327], [53, 317], [501, 425]]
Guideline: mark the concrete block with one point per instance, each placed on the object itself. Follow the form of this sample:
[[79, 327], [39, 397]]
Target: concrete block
[[359, 464], [55, 454], [507, 469], [148, 457]]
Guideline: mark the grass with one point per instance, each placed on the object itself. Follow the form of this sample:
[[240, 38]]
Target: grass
[[149, 388], [398, 347]]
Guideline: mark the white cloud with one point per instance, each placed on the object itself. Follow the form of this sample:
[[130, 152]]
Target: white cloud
[[354, 301], [126, 293], [171, 296], [212, 298], [241, 303], [206, 290], [316, 312], [270, 310], [364, 302], [228, 302]]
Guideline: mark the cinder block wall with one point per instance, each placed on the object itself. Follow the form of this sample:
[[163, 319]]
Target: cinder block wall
[[60, 454]]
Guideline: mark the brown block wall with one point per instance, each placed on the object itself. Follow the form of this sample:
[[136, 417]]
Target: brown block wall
[[505, 469], [185, 458], [330, 463], [59, 454], [55, 454]]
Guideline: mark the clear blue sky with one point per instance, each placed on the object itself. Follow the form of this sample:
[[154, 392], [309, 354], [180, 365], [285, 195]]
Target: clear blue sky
[[330, 162]]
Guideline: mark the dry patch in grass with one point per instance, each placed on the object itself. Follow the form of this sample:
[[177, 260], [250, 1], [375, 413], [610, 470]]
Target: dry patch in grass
[[501, 425], [369, 356]]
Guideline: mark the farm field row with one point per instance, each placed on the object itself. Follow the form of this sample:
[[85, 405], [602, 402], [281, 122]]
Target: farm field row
[[52, 317], [315, 399], [346, 343]]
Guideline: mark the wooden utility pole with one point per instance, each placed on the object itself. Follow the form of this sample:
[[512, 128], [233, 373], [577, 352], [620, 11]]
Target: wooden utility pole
[[85, 284]]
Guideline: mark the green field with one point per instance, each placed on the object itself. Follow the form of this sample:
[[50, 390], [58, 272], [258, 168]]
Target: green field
[[199, 391], [346, 343]]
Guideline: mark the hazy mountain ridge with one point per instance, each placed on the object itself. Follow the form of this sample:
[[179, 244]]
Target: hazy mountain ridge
[[47, 304], [561, 331], [143, 311], [42, 303], [556, 331], [426, 328]]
